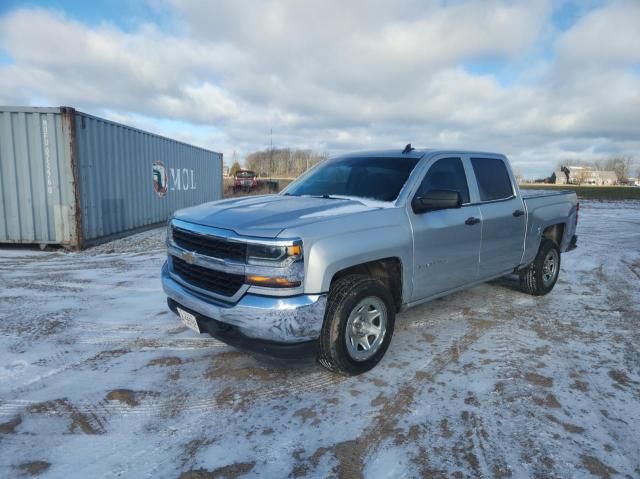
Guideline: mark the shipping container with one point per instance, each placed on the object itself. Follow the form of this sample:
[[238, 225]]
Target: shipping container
[[73, 179]]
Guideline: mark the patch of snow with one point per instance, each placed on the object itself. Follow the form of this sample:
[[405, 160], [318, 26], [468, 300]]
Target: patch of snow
[[99, 379]]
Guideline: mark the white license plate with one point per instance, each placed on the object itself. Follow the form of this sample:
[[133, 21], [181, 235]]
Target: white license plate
[[189, 320]]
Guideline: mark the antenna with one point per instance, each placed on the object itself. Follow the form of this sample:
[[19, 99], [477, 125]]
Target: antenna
[[407, 149]]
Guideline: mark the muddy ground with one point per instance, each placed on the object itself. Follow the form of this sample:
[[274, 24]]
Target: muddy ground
[[98, 379]]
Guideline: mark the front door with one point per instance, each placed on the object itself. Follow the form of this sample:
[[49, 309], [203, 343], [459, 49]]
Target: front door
[[446, 242]]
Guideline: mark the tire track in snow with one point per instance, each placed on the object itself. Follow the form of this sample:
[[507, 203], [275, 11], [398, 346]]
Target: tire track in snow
[[145, 344], [105, 410], [352, 455], [62, 361]]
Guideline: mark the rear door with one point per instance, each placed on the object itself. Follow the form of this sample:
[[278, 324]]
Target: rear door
[[446, 242], [503, 216]]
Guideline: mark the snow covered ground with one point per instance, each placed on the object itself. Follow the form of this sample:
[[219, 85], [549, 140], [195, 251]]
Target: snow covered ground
[[98, 379]]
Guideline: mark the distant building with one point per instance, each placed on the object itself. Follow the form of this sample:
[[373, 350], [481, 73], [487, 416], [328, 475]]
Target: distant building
[[605, 178], [225, 170], [584, 175]]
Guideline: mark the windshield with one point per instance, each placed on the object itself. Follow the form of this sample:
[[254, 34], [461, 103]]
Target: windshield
[[363, 177]]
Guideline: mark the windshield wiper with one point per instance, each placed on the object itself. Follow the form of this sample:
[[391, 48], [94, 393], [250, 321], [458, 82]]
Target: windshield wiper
[[327, 197]]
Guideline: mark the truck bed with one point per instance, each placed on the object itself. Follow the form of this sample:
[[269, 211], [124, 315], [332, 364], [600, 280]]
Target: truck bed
[[544, 209]]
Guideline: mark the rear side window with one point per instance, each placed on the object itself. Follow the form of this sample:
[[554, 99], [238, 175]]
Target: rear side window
[[493, 179], [446, 174]]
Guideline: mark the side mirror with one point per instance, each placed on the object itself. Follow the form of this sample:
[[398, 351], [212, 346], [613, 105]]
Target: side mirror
[[436, 200]]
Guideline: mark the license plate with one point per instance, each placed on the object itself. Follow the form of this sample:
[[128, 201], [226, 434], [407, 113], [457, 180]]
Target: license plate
[[189, 320]]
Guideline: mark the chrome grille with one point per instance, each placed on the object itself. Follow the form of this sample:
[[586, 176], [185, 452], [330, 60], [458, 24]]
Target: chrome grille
[[219, 282], [210, 246]]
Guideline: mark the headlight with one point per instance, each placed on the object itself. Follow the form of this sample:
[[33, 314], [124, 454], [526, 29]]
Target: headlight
[[265, 255], [281, 265]]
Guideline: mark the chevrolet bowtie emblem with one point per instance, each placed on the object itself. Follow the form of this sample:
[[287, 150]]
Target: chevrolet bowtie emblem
[[189, 257]]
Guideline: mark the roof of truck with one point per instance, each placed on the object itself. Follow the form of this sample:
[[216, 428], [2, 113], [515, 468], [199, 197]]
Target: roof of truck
[[419, 153]]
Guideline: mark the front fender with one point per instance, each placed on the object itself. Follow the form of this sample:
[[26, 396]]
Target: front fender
[[329, 255]]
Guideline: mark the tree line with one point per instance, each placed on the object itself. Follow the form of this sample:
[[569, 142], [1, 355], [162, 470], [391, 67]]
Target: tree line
[[280, 162]]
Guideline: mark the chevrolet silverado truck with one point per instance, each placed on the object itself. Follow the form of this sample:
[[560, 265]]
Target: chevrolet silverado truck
[[326, 264]]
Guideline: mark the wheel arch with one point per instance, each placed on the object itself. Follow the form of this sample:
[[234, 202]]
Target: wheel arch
[[387, 270], [555, 233], [384, 252]]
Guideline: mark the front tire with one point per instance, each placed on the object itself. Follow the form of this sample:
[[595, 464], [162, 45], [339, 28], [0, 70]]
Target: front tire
[[358, 325], [540, 277]]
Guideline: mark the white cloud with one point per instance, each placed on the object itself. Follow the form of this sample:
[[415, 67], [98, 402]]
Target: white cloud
[[68, 62], [337, 76], [606, 36]]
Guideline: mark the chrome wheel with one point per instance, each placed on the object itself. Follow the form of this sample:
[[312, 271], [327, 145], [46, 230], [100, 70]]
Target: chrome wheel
[[366, 327], [550, 268]]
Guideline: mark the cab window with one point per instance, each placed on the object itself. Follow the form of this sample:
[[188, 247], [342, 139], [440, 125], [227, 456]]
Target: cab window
[[493, 179], [446, 174]]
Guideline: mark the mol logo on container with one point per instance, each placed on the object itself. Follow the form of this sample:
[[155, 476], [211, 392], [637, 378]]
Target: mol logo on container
[[160, 180], [176, 179]]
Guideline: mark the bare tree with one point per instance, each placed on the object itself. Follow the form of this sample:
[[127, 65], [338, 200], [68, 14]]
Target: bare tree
[[622, 167], [580, 176], [235, 167], [282, 162], [600, 165]]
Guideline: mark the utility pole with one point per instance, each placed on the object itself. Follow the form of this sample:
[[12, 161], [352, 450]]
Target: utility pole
[[271, 153]]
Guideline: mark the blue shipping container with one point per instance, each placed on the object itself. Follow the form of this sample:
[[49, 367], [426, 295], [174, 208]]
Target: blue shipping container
[[74, 179]]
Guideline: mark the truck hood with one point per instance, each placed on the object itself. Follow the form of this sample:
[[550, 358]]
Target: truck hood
[[267, 216]]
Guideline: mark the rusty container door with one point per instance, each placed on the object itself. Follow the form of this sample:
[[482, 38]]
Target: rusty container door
[[37, 188]]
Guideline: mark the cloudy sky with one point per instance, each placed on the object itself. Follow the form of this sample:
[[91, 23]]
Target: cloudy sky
[[541, 81]]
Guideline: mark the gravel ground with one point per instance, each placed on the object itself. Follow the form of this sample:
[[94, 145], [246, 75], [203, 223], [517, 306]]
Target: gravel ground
[[99, 380]]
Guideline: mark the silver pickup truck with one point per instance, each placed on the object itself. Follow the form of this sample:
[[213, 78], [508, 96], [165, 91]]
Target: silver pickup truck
[[326, 264]]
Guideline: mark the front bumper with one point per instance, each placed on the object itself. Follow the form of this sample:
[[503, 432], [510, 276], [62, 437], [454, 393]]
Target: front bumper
[[232, 336], [293, 319]]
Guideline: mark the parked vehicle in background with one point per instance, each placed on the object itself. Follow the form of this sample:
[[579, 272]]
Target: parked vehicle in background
[[326, 264], [245, 180]]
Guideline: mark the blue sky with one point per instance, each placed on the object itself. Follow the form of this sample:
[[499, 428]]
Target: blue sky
[[545, 82], [125, 14]]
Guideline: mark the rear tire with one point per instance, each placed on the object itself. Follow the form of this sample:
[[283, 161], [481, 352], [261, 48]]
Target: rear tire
[[360, 314], [541, 275]]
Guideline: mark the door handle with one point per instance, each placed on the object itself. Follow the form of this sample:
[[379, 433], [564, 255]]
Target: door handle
[[517, 213], [472, 221]]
